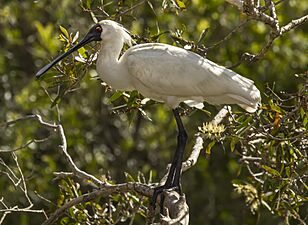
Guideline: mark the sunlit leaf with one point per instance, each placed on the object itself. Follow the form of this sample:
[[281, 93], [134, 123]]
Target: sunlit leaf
[[209, 147], [275, 107], [75, 38], [233, 141], [115, 96], [64, 32], [180, 4], [271, 170], [129, 177]]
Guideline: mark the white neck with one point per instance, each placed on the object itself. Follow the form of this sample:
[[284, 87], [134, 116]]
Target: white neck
[[110, 51], [110, 68]]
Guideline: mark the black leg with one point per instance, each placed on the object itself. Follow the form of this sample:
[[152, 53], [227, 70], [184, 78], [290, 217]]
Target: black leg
[[182, 139], [174, 175]]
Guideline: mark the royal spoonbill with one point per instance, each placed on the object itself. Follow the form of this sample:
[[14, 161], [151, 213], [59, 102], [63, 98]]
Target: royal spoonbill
[[165, 73]]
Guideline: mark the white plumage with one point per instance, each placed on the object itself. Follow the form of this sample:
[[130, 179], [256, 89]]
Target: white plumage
[[165, 73], [170, 74]]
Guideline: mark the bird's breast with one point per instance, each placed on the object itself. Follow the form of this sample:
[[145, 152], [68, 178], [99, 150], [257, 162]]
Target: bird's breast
[[114, 75]]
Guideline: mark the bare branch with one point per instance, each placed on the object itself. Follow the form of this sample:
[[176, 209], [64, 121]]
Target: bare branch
[[258, 13], [293, 24], [76, 170], [132, 8], [19, 181], [24, 186], [221, 115], [63, 146], [234, 30], [192, 159], [250, 9], [23, 146], [250, 158], [16, 209], [237, 3]]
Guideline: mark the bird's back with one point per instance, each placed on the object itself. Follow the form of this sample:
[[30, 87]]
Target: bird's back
[[165, 72]]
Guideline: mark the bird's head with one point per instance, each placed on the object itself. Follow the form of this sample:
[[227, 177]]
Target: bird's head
[[104, 31], [113, 31]]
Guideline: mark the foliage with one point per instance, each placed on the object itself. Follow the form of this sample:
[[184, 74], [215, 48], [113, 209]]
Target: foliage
[[261, 156], [105, 210], [273, 147]]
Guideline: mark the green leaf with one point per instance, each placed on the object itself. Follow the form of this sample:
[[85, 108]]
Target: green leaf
[[132, 98], [305, 122], [64, 220], [288, 171], [115, 96], [302, 112], [56, 101], [131, 116], [208, 113], [202, 35], [82, 52], [129, 177], [180, 4], [64, 32], [234, 140], [275, 107], [304, 116], [271, 170], [243, 125], [237, 181], [88, 4], [150, 177], [209, 147]]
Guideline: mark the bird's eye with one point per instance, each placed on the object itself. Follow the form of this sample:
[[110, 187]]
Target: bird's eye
[[98, 29]]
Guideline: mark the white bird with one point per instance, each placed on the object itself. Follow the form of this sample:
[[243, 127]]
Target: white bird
[[167, 74]]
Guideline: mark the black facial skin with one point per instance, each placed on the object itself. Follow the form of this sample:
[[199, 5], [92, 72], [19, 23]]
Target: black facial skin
[[94, 34]]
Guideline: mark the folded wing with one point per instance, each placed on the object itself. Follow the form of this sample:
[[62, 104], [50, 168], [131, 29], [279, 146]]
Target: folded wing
[[163, 71]]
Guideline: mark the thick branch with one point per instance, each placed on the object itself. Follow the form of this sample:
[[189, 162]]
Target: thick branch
[[142, 189]]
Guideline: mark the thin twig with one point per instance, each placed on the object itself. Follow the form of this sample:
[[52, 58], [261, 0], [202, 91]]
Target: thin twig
[[23, 146]]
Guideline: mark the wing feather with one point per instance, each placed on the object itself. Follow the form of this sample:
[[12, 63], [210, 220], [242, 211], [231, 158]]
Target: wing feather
[[161, 70]]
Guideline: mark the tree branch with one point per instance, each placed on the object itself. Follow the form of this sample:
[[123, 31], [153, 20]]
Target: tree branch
[[293, 24], [142, 189], [175, 206], [257, 13]]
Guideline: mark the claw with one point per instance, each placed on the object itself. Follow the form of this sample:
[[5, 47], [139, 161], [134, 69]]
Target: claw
[[160, 191]]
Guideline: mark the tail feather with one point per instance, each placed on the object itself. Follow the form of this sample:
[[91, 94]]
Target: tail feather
[[238, 89], [247, 98], [250, 99]]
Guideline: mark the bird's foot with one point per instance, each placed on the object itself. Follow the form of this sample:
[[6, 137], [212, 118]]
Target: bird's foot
[[159, 191]]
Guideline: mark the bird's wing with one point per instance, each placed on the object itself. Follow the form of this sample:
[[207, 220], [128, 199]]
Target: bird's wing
[[166, 70]]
